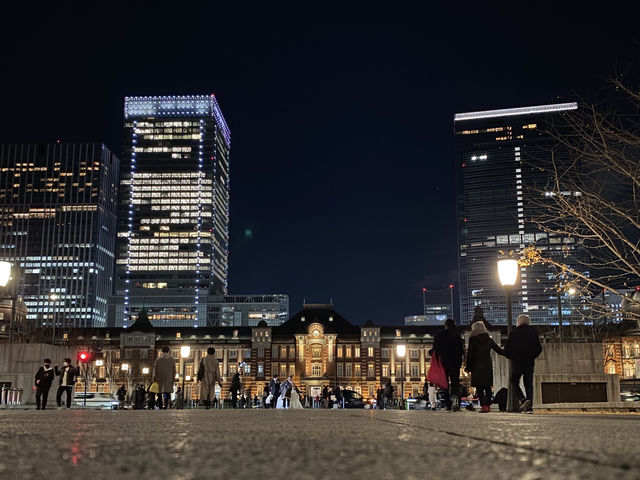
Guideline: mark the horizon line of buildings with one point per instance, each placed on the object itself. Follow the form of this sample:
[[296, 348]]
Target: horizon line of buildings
[[97, 239]]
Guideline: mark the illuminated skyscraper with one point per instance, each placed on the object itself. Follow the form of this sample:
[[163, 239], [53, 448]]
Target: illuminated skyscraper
[[173, 233], [58, 226], [497, 153]]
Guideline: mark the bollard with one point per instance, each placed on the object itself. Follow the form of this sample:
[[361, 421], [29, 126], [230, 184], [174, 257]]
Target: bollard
[[3, 395], [19, 400]]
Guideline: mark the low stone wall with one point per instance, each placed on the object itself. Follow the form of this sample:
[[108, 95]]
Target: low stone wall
[[19, 363], [556, 358], [612, 386]]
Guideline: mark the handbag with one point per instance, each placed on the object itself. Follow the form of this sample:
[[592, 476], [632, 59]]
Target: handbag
[[437, 374], [269, 398], [154, 388]]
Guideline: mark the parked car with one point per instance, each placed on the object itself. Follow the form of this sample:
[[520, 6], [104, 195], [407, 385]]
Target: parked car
[[352, 399], [630, 396], [104, 401]]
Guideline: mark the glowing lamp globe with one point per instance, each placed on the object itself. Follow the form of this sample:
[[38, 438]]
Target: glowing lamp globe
[[508, 272], [5, 273]]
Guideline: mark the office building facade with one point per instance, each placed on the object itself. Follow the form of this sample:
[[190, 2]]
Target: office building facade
[[498, 184], [58, 228], [173, 225], [217, 310]]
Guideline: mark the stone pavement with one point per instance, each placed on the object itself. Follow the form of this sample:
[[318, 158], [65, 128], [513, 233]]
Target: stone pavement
[[315, 444]]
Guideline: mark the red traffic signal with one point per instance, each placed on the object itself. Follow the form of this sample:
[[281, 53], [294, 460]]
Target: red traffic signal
[[83, 356]]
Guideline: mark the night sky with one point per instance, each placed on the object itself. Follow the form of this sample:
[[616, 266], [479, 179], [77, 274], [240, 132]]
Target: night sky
[[342, 133]]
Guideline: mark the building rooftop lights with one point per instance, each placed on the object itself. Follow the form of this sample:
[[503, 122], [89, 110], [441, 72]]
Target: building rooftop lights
[[510, 112]]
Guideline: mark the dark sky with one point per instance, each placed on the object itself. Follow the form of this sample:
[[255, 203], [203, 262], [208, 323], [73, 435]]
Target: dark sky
[[342, 144]]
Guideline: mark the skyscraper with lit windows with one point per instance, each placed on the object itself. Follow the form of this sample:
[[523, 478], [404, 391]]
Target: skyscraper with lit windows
[[498, 155], [58, 205], [173, 232]]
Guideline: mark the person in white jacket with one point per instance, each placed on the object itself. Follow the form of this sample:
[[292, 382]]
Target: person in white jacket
[[433, 399]]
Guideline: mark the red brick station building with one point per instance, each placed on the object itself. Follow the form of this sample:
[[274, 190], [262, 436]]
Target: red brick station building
[[317, 346]]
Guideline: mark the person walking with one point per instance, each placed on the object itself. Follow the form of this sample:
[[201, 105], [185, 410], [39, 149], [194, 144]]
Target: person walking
[[140, 394], [387, 395], [479, 363], [179, 399], [68, 374], [285, 393], [450, 347], [523, 347], [274, 391], [433, 396], [122, 395], [43, 381], [236, 386], [164, 372], [209, 376]]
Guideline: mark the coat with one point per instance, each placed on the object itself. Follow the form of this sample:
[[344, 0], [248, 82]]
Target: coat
[[274, 388], [523, 346], [72, 373], [236, 384], [164, 372], [209, 375], [479, 362], [450, 347], [44, 378]]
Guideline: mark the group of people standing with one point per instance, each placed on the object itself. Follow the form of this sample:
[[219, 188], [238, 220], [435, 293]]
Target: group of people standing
[[282, 395], [522, 348], [45, 377]]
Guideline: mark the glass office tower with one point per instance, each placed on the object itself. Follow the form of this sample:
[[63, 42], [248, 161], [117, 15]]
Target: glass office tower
[[497, 153], [58, 227], [173, 233]]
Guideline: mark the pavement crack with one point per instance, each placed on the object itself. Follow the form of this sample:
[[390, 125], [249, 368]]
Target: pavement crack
[[555, 453]]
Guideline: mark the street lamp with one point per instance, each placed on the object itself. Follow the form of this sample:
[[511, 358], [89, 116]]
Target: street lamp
[[185, 352], [401, 351], [5, 273], [5, 276], [508, 273], [53, 297], [571, 291], [145, 372]]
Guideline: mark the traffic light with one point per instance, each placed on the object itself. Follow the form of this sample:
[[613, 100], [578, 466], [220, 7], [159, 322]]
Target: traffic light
[[83, 357]]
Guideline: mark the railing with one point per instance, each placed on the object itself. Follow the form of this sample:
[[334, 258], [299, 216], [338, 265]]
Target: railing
[[11, 396]]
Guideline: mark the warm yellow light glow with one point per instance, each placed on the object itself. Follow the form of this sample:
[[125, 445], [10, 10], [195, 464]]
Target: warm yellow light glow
[[99, 363], [571, 291], [185, 351], [5, 273], [145, 370], [508, 272], [124, 367], [401, 350]]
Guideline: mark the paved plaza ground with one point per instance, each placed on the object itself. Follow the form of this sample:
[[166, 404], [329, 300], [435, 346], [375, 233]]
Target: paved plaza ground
[[315, 444]]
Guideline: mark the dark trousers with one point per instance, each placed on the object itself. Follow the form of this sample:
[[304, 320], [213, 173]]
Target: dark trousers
[[41, 393], [453, 374], [526, 372], [484, 394], [62, 389], [164, 399], [234, 398], [152, 401]]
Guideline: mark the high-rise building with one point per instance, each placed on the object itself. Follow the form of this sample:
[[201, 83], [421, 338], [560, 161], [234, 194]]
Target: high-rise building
[[173, 225], [58, 205], [497, 153]]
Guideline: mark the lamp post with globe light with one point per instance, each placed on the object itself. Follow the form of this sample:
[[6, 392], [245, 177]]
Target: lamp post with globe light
[[53, 297], [401, 351], [5, 277], [185, 352], [508, 274]]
